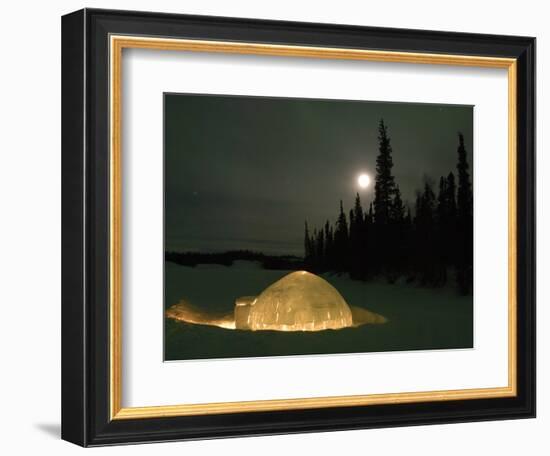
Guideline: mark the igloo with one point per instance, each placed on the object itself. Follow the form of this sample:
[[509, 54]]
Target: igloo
[[300, 301]]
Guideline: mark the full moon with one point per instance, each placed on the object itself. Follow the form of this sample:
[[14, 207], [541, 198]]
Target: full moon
[[363, 180]]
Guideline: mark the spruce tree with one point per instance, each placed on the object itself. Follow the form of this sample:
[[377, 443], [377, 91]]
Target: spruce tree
[[307, 245], [329, 247], [396, 247], [341, 240], [406, 253], [370, 215], [314, 259], [426, 247], [342, 226], [352, 226], [370, 265], [451, 197], [397, 208], [464, 195], [358, 209], [464, 221], [447, 220], [356, 233], [384, 187], [442, 228], [442, 201], [320, 250], [384, 193], [408, 216]]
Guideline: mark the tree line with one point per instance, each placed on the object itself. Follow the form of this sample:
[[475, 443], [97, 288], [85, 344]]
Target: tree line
[[430, 246]]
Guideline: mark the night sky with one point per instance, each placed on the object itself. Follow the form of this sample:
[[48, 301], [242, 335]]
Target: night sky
[[245, 172]]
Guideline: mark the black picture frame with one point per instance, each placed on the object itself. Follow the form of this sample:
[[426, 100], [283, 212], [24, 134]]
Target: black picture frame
[[85, 224]]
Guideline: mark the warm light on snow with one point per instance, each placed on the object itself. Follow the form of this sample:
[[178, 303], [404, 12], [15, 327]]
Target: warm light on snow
[[300, 301]]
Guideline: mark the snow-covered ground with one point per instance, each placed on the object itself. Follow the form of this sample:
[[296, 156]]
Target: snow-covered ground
[[419, 318]]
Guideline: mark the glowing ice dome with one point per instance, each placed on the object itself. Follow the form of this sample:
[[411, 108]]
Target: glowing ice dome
[[300, 301]]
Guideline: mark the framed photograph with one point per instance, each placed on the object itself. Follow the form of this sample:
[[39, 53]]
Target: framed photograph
[[275, 227]]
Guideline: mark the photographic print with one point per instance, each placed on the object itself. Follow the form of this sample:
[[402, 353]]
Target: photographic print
[[313, 226], [311, 211]]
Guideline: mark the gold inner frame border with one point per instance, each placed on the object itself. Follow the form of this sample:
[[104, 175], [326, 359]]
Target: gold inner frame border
[[116, 46]]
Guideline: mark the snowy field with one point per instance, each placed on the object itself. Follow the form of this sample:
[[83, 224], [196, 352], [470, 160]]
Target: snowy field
[[419, 318]]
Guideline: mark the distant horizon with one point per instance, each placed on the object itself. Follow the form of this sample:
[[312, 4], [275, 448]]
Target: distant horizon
[[221, 252], [274, 246]]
